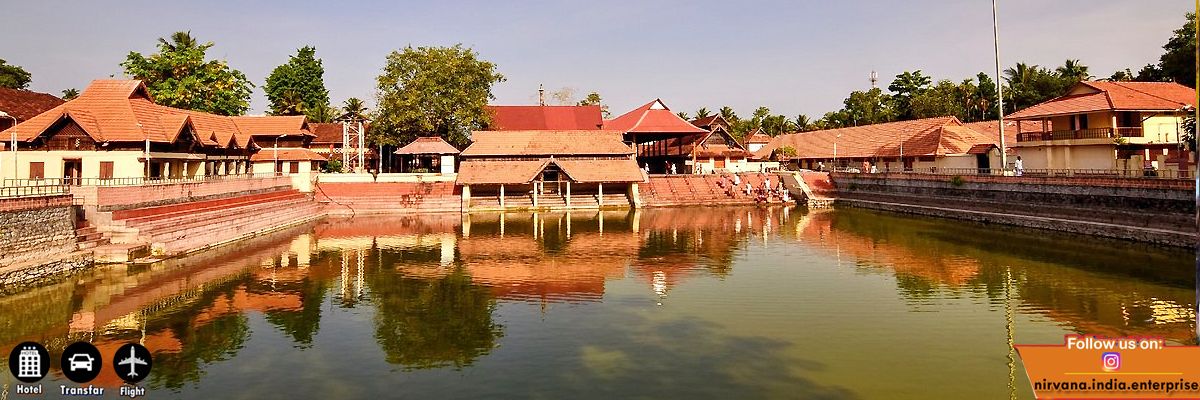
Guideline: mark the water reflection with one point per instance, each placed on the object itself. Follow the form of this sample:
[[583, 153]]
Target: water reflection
[[642, 295]]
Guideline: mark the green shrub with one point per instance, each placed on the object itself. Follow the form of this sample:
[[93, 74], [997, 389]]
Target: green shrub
[[957, 181]]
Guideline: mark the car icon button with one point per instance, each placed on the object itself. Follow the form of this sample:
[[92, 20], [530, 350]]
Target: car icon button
[[81, 362]]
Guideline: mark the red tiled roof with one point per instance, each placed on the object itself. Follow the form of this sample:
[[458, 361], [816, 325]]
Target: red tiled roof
[[122, 111], [427, 145], [24, 104], [698, 145], [274, 125], [472, 172], [624, 170], [326, 132], [757, 136], [520, 118], [991, 129], [1113, 96], [981, 148], [709, 121], [653, 117], [288, 154], [922, 137], [546, 143]]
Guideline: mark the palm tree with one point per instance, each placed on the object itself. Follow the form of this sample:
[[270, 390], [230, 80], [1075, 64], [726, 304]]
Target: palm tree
[[728, 114], [290, 103], [179, 40], [702, 113], [683, 115], [354, 109], [1073, 70], [803, 124], [1020, 74], [70, 94]]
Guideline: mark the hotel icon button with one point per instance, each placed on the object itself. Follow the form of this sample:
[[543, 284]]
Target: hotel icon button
[[132, 362], [29, 362], [81, 362]]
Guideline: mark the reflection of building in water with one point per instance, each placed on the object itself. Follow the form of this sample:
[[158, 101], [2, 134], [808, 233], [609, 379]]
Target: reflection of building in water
[[932, 257]]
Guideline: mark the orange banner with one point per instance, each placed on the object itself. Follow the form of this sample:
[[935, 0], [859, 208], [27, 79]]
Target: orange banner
[[1095, 367]]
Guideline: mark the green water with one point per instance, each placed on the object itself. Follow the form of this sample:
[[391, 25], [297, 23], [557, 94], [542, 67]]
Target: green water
[[669, 303]]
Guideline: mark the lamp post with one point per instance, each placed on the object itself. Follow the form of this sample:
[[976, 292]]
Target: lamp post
[[278, 168], [14, 140]]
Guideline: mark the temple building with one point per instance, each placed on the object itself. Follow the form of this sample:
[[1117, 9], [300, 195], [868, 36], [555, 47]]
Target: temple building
[[538, 118], [427, 154], [922, 144], [714, 151], [652, 123], [18, 105], [548, 169], [284, 141]]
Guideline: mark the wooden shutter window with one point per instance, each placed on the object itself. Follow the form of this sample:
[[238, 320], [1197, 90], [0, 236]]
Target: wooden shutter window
[[294, 168], [106, 170], [37, 170]]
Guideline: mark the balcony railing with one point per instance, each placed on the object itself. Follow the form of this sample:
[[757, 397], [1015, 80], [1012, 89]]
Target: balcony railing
[[1093, 133], [33, 191], [131, 181]]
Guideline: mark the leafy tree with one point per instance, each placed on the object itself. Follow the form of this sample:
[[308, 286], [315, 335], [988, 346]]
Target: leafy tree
[[13, 77], [987, 102], [433, 90], [593, 99], [904, 87], [945, 98], [1031, 84], [178, 76], [1073, 70], [702, 113], [298, 86], [1124, 75], [1178, 64], [321, 113], [786, 151], [70, 94], [869, 107]]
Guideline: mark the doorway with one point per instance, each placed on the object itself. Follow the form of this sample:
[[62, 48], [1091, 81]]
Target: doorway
[[984, 163], [72, 171]]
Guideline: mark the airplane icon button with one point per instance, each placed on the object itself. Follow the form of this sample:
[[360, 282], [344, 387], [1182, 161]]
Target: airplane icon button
[[132, 362]]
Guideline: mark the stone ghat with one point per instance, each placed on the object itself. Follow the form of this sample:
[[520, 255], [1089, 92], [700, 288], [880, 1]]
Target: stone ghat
[[703, 190], [360, 198], [1146, 210]]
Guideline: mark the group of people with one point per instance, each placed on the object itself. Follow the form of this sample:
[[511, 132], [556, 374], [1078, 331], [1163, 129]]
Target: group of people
[[668, 168], [733, 183]]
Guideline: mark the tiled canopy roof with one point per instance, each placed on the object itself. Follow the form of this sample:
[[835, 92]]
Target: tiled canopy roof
[[326, 132], [290, 125], [709, 121], [546, 143], [427, 145], [24, 104], [288, 154], [510, 118], [507, 172], [112, 110], [757, 136], [653, 117], [1113, 96], [922, 137]]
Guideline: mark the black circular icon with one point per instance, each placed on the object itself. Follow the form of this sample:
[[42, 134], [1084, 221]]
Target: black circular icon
[[132, 362], [29, 362], [81, 362]]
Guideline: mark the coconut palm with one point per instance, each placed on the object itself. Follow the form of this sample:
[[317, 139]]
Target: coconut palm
[[683, 115], [290, 103], [803, 124], [728, 114], [702, 113], [354, 109], [1021, 74], [1073, 70], [179, 41]]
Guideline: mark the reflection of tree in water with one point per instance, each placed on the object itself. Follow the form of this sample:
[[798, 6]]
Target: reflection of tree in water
[[431, 323], [303, 324], [213, 340]]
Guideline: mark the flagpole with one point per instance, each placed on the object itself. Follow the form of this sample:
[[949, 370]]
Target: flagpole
[[1000, 88]]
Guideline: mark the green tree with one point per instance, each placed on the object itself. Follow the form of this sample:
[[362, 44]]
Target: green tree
[[1073, 70], [593, 99], [945, 99], [433, 90], [702, 113], [1178, 63], [1124, 75], [179, 76], [298, 86], [904, 87], [802, 123], [684, 115], [70, 94], [13, 77], [869, 107], [1031, 84], [987, 102], [728, 114]]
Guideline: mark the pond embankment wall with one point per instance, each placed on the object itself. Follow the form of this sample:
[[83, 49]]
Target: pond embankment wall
[[1148, 210], [37, 238]]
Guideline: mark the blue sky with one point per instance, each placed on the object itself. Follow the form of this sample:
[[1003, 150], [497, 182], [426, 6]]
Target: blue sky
[[792, 56]]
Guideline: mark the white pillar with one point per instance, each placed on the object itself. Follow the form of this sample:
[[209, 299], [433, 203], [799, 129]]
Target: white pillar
[[568, 200], [501, 196], [600, 194], [535, 193]]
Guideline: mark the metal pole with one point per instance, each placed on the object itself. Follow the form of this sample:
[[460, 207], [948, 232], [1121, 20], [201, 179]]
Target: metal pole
[[1000, 88], [1196, 157]]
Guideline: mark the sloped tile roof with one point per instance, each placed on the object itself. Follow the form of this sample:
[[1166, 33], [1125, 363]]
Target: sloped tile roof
[[326, 132], [472, 172], [546, 143], [1113, 96], [757, 136], [992, 129], [25, 104], [922, 137], [427, 145], [288, 154], [520, 118], [123, 111], [653, 117], [273, 125], [591, 171]]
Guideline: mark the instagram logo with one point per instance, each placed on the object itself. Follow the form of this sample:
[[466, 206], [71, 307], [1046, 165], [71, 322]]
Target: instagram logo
[[1111, 361]]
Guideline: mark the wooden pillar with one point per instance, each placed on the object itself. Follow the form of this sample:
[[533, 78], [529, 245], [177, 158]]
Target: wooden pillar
[[568, 201], [600, 194], [501, 196]]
